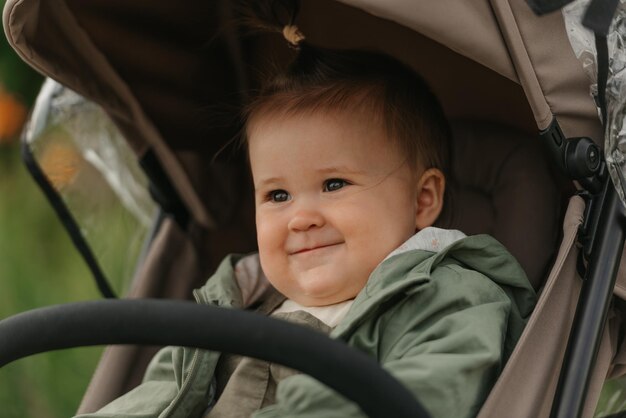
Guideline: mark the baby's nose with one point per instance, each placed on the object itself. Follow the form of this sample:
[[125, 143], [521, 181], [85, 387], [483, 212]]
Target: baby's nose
[[306, 219]]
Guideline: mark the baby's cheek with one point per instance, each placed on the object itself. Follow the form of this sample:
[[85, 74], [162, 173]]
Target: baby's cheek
[[268, 265], [267, 234]]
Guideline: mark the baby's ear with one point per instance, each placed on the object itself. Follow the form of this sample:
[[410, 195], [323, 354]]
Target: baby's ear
[[430, 190]]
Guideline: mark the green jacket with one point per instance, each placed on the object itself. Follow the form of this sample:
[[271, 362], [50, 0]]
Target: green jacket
[[454, 319]]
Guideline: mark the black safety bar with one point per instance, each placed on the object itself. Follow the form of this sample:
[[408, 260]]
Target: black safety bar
[[352, 373], [593, 306]]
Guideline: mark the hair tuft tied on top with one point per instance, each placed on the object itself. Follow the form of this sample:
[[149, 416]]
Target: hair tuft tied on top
[[293, 35]]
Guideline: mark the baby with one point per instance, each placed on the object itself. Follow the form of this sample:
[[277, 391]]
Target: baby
[[348, 151]]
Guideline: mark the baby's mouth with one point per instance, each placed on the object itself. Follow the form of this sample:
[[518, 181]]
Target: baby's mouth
[[314, 248]]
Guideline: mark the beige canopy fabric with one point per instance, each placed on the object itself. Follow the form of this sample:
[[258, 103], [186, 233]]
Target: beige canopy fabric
[[148, 62], [505, 36], [528, 383]]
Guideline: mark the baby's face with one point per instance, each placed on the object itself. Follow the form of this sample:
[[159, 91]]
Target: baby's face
[[333, 198]]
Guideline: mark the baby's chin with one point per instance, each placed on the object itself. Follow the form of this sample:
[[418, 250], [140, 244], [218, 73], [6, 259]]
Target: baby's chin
[[319, 297], [321, 285]]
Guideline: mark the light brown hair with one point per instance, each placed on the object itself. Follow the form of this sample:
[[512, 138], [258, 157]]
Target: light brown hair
[[354, 80]]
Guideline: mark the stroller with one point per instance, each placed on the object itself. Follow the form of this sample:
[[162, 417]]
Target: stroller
[[158, 70]]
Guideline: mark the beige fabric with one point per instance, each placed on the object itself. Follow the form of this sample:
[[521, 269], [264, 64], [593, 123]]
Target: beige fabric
[[552, 77], [330, 315], [533, 368], [467, 27], [506, 36], [466, 89], [251, 280], [525, 71], [245, 385], [535, 363]]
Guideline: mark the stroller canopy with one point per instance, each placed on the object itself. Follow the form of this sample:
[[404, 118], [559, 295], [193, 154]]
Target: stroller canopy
[[160, 68]]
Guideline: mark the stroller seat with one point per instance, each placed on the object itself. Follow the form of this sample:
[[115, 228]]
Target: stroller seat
[[502, 184], [511, 188]]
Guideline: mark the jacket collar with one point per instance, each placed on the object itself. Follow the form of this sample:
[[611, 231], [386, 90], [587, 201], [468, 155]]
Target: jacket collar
[[404, 271], [409, 268], [240, 283], [406, 267]]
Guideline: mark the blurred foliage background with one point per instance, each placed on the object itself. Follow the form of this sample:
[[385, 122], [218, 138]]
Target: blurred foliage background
[[38, 264]]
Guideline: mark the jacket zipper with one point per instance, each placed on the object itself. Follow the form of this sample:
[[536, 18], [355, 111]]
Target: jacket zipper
[[193, 369], [186, 385]]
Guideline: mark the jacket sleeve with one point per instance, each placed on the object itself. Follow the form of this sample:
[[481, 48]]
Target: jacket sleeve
[[444, 342], [159, 387]]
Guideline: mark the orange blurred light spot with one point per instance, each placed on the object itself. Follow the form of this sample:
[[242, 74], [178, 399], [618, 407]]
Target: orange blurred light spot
[[61, 164], [12, 117]]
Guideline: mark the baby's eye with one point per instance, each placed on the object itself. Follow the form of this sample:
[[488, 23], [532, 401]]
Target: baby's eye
[[334, 184], [278, 196]]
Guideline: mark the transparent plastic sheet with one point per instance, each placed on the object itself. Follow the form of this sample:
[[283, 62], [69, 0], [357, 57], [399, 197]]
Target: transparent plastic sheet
[[97, 175], [583, 44]]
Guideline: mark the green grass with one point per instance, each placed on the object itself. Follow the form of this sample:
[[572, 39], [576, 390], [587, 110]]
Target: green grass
[[38, 267], [613, 398]]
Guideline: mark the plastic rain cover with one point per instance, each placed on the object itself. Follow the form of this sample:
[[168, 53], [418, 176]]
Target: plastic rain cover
[[583, 44], [96, 174]]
